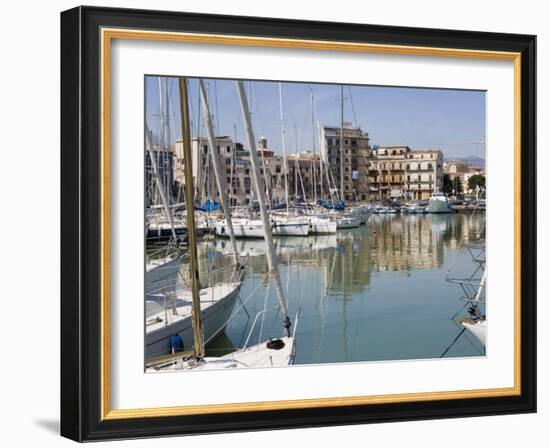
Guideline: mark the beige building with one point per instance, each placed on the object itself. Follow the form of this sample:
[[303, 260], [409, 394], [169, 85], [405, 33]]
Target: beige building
[[356, 151], [234, 164], [369, 174], [399, 172], [463, 171]]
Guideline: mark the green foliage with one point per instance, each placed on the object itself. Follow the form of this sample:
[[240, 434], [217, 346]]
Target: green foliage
[[477, 180], [457, 185], [447, 184]]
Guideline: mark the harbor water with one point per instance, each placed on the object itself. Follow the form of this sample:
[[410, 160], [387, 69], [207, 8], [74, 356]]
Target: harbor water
[[377, 292]]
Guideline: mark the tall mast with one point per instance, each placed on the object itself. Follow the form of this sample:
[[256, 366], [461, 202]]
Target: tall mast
[[284, 146], [481, 286], [271, 256], [342, 142], [314, 152], [214, 155], [320, 153], [189, 205]]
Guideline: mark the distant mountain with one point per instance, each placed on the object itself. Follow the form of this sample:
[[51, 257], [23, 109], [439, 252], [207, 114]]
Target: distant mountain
[[471, 160]]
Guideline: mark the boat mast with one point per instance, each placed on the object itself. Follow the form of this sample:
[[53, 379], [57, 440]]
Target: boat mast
[[297, 166], [160, 187], [314, 151], [271, 256], [214, 155], [481, 286], [342, 142], [191, 231], [284, 146]]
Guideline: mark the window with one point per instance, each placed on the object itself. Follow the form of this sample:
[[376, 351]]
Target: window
[[430, 166], [228, 180], [354, 142], [205, 149], [247, 191], [228, 161], [247, 171], [337, 141], [278, 169], [229, 149]]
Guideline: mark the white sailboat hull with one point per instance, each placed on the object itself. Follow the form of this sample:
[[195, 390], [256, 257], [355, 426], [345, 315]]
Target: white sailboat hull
[[156, 271], [217, 304], [258, 356], [320, 226], [348, 222], [255, 229], [477, 328]]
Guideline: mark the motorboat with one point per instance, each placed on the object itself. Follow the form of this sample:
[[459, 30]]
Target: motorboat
[[439, 203]]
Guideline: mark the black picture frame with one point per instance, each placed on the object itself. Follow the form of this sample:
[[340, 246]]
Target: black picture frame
[[81, 209]]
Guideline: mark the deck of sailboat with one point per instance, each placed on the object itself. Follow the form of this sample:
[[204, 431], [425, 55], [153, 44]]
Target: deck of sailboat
[[162, 318], [257, 356]]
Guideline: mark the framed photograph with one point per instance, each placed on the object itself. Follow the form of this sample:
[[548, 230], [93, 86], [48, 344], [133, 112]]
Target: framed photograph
[[273, 223]]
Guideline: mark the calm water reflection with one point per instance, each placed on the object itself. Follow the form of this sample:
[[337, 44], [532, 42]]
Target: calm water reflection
[[373, 293]]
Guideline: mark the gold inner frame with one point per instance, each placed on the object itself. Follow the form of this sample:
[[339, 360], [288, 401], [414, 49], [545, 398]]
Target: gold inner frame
[[107, 35]]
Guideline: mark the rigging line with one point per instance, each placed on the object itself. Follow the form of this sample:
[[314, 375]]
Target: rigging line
[[267, 293], [254, 100], [216, 121], [452, 343], [353, 108]]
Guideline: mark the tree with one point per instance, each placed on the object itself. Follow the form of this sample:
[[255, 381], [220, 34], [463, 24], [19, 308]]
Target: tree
[[477, 180], [447, 184], [457, 185]]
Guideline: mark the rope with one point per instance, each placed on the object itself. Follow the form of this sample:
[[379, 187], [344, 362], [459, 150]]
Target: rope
[[452, 343]]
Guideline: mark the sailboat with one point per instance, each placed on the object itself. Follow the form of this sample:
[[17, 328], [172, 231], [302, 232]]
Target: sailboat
[[163, 264], [254, 228], [477, 323], [278, 351], [170, 314]]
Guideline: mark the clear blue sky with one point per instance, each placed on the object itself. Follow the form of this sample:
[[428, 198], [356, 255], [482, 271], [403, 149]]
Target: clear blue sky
[[450, 120]]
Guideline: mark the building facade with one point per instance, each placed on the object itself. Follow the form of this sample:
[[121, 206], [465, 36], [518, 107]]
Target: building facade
[[369, 174], [463, 171], [397, 172], [346, 162]]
